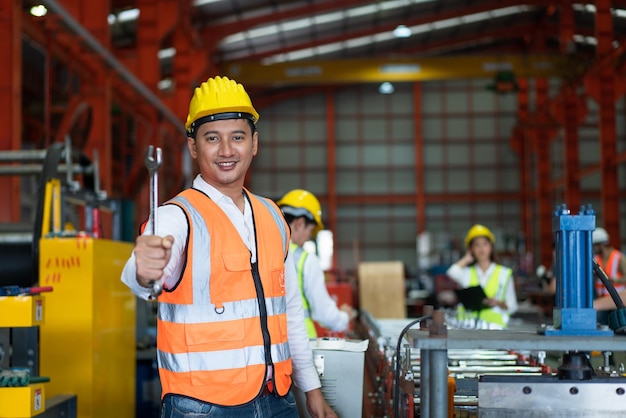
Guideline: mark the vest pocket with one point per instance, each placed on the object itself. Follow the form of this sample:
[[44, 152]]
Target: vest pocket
[[214, 336], [235, 281]]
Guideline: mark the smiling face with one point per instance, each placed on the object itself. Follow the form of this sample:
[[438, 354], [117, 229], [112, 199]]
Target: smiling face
[[224, 150]]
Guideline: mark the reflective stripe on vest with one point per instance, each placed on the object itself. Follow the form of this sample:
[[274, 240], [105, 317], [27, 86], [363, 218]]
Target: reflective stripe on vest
[[493, 290], [611, 268], [299, 257], [217, 332]]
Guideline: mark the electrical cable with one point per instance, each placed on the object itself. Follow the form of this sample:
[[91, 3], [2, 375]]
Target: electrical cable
[[608, 284], [617, 318], [396, 396]]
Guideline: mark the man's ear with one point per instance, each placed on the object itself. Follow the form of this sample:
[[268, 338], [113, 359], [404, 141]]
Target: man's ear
[[191, 146], [255, 143]]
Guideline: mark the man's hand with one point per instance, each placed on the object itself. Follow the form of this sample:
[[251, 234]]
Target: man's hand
[[152, 253], [317, 406]]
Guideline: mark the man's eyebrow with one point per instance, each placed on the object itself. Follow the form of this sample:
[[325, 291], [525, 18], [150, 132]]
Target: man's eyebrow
[[236, 131]]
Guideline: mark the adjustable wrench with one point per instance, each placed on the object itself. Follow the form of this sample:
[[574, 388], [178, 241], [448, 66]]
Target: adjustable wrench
[[153, 162]]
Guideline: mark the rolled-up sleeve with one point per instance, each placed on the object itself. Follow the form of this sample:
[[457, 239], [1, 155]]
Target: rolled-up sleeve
[[172, 221], [459, 275]]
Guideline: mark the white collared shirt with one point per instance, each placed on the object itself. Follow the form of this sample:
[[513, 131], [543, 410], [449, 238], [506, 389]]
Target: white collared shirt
[[172, 221]]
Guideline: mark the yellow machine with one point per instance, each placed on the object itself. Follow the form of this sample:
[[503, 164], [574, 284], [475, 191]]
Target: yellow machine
[[88, 342], [28, 400], [87, 345]]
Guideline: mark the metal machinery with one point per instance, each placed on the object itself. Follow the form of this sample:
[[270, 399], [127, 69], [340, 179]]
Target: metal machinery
[[82, 355], [436, 371]]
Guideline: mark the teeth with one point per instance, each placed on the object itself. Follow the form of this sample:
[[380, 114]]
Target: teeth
[[226, 164]]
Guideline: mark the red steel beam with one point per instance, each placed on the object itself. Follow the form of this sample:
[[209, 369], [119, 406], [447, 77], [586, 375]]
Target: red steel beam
[[331, 167], [10, 101], [574, 111], [542, 137], [608, 135], [520, 144], [98, 93]]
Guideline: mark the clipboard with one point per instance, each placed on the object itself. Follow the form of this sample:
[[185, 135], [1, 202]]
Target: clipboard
[[471, 297]]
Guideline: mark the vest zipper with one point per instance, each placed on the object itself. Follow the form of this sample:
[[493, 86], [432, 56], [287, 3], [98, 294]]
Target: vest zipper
[[263, 311]]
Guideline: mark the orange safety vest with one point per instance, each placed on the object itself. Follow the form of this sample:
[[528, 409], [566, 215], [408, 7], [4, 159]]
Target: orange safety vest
[[225, 321], [611, 268]]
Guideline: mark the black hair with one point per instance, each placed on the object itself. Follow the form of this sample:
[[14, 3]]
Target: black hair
[[193, 131], [307, 221]]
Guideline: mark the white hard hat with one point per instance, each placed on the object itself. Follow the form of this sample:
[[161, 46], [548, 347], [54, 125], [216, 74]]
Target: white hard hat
[[600, 236]]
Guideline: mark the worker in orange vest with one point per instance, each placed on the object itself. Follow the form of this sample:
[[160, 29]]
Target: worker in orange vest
[[613, 263], [611, 260], [230, 328]]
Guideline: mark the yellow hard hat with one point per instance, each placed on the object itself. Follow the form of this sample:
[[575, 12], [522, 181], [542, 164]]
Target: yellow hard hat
[[300, 202], [479, 231], [219, 98]]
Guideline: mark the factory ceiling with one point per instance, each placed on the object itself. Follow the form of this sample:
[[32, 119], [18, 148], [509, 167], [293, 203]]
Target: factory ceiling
[[272, 42], [266, 32]]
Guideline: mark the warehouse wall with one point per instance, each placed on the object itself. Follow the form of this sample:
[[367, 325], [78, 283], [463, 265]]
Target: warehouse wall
[[471, 174]]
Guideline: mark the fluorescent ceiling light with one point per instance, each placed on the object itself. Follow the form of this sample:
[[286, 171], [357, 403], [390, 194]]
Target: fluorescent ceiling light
[[620, 13], [401, 31], [269, 30], [166, 53], [39, 10], [165, 84], [123, 16], [589, 40], [386, 88], [201, 2], [386, 36]]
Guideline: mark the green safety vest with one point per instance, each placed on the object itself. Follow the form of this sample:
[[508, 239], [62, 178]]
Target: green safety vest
[[491, 290], [299, 257]]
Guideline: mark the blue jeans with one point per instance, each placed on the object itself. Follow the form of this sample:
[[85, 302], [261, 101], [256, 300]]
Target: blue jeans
[[270, 406]]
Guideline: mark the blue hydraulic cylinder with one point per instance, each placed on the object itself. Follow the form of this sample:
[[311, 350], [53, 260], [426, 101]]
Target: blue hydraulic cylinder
[[573, 310]]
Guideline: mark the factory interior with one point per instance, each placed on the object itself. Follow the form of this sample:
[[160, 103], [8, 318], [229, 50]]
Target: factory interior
[[419, 125]]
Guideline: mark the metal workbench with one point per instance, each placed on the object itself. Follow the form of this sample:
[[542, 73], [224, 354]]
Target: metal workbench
[[434, 354]]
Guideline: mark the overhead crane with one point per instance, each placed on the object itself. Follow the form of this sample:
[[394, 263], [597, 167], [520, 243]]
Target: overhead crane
[[402, 70]]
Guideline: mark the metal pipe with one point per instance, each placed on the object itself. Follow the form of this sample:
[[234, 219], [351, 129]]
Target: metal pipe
[[36, 169], [10, 156], [16, 237], [425, 383], [110, 59], [439, 384]]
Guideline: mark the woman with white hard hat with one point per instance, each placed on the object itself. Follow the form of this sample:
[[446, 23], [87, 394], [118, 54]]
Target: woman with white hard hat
[[610, 260], [613, 263], [478, 268]]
